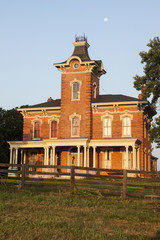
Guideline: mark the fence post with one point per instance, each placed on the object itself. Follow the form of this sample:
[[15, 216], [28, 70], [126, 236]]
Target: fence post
[[72, 186], [124, 184], [23, 177]]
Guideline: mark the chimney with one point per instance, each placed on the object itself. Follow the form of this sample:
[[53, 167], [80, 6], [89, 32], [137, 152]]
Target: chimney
[[49, 99], [143, 86]]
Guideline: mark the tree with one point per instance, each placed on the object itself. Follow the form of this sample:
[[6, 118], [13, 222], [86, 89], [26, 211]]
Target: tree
[[149, 83], [155, 132], [11, 129]]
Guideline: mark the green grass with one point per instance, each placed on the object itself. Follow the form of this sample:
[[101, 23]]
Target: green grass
[[41, 215]]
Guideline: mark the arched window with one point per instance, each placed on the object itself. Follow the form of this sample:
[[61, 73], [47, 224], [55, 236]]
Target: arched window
[[126, 126], [53, 129], [107, 127], [75, 91], [36, 129], [75, 126]]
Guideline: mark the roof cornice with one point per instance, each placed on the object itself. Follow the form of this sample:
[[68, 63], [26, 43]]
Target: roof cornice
[[119, 103], [38, 109]]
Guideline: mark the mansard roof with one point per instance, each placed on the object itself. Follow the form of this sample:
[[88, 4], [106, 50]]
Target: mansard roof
[[81, 51], [81, 54]]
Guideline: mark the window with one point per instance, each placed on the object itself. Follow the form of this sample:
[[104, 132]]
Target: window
[[53, 129], [126, 126], [75, 91], [94, 90], [37, 129], [107, 127], [75, 126]]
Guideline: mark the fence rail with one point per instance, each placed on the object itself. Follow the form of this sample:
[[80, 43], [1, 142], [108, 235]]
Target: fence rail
[[86, 178]]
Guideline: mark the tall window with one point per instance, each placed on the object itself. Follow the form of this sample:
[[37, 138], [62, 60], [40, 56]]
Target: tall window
[[37, 129], [75, 91], [53, 129], [126, 126], [107, 127], [94, 90], [75, 126]]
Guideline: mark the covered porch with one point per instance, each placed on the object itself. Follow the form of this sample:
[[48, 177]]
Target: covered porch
[[104, 153]]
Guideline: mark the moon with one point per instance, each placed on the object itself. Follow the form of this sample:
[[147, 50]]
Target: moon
[[105, 19]]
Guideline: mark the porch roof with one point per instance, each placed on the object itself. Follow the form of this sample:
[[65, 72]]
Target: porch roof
[[75, 142]]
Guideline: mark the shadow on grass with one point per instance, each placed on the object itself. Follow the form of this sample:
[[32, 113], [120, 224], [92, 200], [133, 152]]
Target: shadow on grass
[[157, 237]]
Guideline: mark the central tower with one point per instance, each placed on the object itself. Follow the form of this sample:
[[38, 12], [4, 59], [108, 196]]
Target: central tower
[[79, 85]]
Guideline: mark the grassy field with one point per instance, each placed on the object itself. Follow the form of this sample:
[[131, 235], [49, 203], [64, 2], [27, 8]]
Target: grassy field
[[35, 214]]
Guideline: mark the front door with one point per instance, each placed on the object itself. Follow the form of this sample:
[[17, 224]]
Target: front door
[[107, 159], [73, 159]]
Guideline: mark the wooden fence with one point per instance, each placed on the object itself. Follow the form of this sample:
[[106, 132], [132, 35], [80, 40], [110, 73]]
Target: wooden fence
[[127, 183]]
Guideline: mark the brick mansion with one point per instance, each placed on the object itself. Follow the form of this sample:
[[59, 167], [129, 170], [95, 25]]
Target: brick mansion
[[84, 128]]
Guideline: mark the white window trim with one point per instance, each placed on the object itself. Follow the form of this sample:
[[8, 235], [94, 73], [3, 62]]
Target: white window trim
[[33, 123], [131, 118], [70, 118], [102, 119], [50, 121], [71, 84]]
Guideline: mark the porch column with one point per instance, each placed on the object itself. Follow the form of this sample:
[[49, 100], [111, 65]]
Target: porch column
[[44, 160], [16, 159], [149, 161], [85, 158], [134, 157], [47, 154], [78, 163], [138, 167], [53, 155], [94, 157], [22, 156], [127, 162], [11, 155]]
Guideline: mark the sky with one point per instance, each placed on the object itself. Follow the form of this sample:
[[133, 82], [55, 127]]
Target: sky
[[34, 34]]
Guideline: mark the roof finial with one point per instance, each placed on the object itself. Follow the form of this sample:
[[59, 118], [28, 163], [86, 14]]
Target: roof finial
[[80, 38]]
